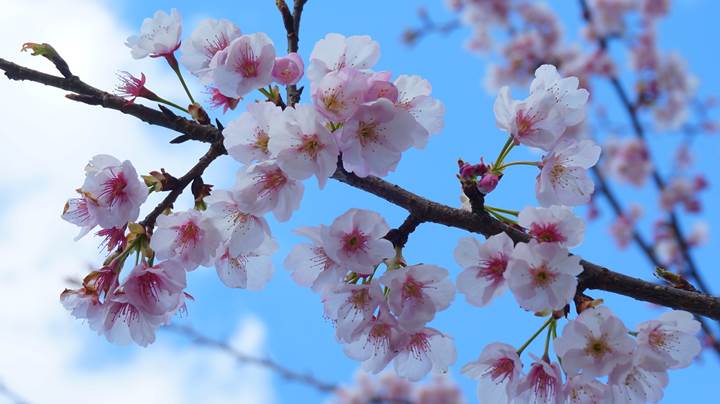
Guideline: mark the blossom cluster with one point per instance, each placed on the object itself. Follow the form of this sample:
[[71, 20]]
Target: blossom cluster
[[389, 388]]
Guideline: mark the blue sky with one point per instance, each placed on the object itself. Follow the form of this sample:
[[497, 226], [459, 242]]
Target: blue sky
[[297, 335]]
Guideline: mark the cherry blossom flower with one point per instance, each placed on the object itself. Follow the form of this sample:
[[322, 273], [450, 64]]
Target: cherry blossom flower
[[250, 270], [623, 228], [242, 231], [554, 104], [543, 384], [376, 344], [632, 383], [264, 187], [498, 372], [563, 179], [483, 267], [355, 240], [133, 87], [338, 94], [156, 289], [380, 86], [607, 16], [542, 277], [288, 69], [627, 160], [373, 140], [417, 292], [113, 192], [414, 97], [670, 342], [210, 37], [186, 236], [423, 351], [310, 264], [683, 191], [248, 136], [125, 322], [76, 212], [244, 65], [585, 390], [351, 308], [594, 343], [159, 35], [302, 145], [555, 224], [84, 304], [218, 99], [336, 51]]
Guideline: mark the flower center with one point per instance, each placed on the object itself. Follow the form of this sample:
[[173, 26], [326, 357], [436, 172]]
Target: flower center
[[114, 189], [188, 233], [547, 232], [412, 289], [542, 276], [502, 369], [367, 133], [354, 241], [249, 63], [311, 145], [332, 102], [597, 348]]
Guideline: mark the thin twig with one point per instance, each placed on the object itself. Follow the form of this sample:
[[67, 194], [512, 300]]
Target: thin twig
[[288, 374], [11, 395]]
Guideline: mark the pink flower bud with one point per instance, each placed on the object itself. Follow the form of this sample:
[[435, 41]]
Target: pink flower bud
[[288, 69], [488, 183]]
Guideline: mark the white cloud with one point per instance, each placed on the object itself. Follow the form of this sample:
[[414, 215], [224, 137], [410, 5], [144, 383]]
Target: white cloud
[[45, 355]]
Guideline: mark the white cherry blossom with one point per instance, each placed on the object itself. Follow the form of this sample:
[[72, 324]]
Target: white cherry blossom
[[244, 65], [248, 136], [210, 37], [414, 96], [563, 179], [186, 236], [250, 270], [497, 371], [336, 51], [243, 232], [555, 224], [424, 351], [483, 267], [264, 187], [310, 264], [670, 342], [159, 35]]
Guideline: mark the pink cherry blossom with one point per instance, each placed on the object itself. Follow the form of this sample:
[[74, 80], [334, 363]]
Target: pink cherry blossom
[[156, 289], [623, 228], [242, 231], [302, 145], [554, 104], [310, 264], [248, 136], [585, 390], [159, 35], [76, 212], [497, 371], [250, 270], [373, 140], [336, 51], [563, 179], [414, 96], [288, 69], [351, 308], [210, 37], [186, 236], [483, 267], [670, 342], [133, 87], [380, 86], [355, 240], [376, 343], [338, 94], [594, 343], [555, 224], [113, 192], [632, 383], [244, 65], [608, 16], [542, 277], [417, 292], [424, 351], [84, 304], [543, 384], [264, 187], [683, 191], [218, 99], [627, 160], [125, 322]]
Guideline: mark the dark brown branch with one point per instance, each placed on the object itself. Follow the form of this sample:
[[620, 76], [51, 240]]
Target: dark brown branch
[[240, 357], [216, 150], [399, 236], [593, 277], [93, 96], [291, 21]]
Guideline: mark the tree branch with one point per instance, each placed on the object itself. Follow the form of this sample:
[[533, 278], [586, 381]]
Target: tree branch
[[288, 374], [291, 21]]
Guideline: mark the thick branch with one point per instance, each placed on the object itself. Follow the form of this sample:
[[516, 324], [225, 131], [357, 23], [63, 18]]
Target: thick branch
[[593, 277], [240, 357], [399, 236], [291, 21]]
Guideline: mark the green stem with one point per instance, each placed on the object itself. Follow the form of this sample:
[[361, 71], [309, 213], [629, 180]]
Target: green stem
[[501, 217], [532, 337], [519, 163], [172, 104], [172, 61], [509, 144], [508, 211], [547, 340]]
